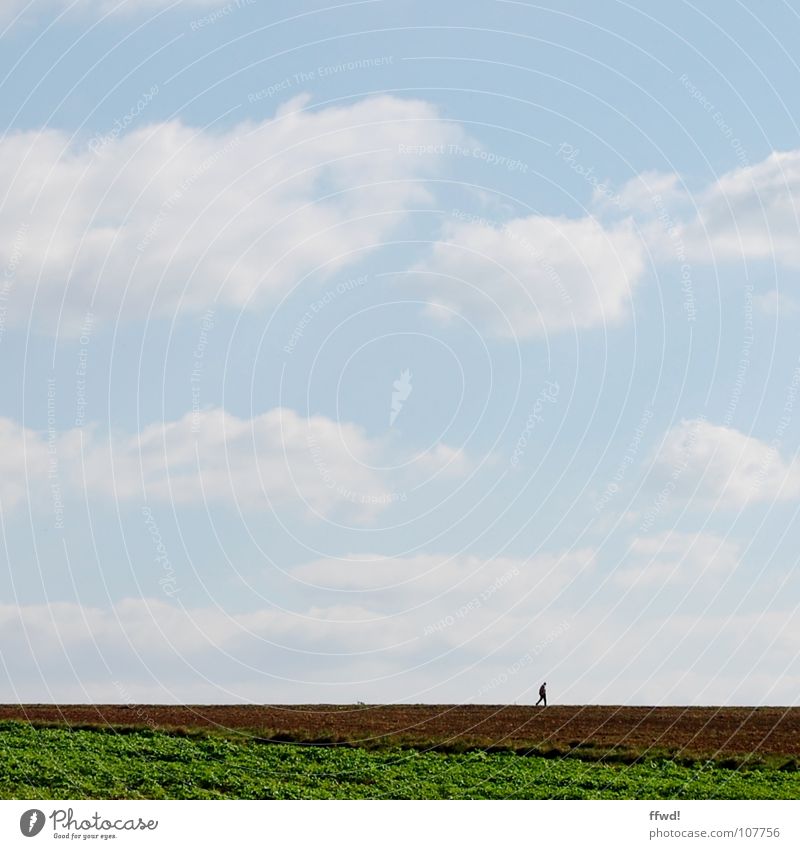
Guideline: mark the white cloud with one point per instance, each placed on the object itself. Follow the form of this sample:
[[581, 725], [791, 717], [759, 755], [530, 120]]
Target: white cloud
[[277, 458], [23, 456], [534, 275], [442, 616], [675, 558], [748, 213], [645, 192], [430, 576], [778, 304], [752, 212], [348, 650], [688, 659], [724, 467], [458, 602], [170, 217], [10, 8]]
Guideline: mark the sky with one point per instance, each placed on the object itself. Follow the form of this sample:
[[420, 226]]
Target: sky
[[397, 351]]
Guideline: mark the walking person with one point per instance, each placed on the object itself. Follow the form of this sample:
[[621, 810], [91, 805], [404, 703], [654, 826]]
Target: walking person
[[542, 694]]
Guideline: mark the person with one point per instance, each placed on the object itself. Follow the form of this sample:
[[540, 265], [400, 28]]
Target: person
[[542, 694]]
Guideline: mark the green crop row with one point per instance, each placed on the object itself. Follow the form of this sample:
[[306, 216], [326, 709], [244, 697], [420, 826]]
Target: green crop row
[[56, 763]]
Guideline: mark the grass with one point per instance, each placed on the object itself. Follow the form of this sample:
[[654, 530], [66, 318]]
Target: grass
[[101, 763]]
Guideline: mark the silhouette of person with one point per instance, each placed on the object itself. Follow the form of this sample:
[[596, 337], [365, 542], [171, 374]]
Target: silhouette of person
[[542, 694]]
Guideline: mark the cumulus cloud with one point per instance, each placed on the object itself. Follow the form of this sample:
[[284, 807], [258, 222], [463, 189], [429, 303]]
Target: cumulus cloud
[[724, 467], [687, 658], [675, 558], [431, 576], [748, 213], [149, 650], [23, 456], [156, 218], [441, 603], [752, 212], [535, 275], [398, 639], [277, 458]]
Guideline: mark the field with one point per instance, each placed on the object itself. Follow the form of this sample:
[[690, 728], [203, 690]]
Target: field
[[398, 751]]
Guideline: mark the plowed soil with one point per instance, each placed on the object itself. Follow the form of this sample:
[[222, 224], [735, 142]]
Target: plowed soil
[[705, 731]]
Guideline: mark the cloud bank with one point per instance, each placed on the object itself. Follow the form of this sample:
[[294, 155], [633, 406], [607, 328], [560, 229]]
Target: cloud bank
[[164, 217]]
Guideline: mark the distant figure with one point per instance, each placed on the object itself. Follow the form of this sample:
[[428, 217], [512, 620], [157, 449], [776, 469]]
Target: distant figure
[[542, 694]]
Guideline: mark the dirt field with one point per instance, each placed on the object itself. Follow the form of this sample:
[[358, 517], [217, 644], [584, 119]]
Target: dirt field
[[712, 731]]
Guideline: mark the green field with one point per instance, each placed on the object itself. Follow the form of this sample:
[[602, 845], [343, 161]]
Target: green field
[[57, 763]]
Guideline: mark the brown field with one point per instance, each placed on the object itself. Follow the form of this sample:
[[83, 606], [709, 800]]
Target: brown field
[[698, 731]]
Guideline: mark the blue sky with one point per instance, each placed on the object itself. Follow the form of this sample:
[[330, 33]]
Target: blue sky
[[399, 351]]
